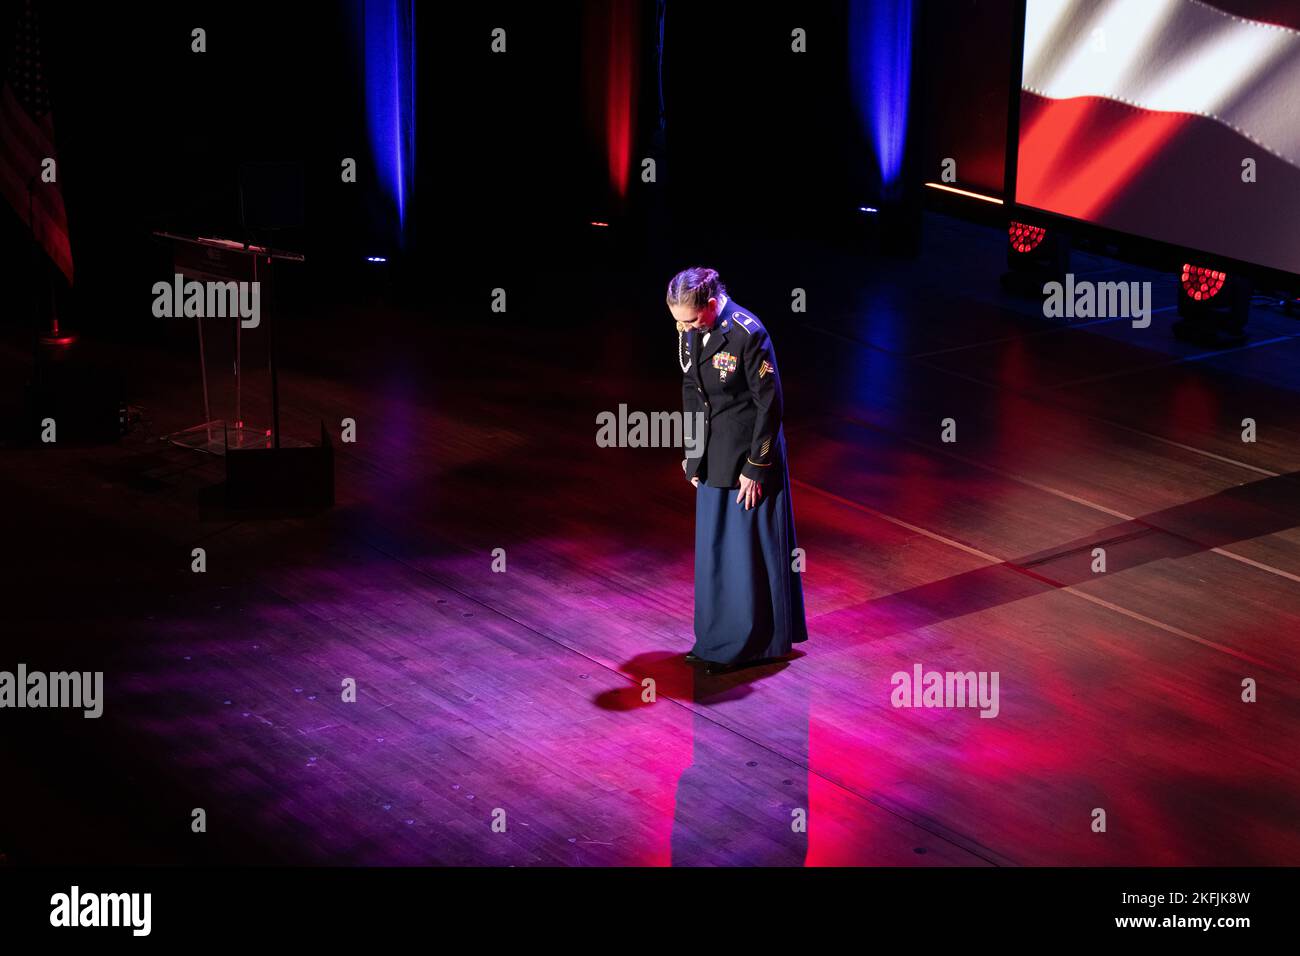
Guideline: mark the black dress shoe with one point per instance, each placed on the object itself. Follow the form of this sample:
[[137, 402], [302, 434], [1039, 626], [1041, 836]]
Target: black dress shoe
[[692, 659], [713, 668]]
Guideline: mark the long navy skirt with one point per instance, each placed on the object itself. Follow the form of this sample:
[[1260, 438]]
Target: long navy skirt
[[748, 600]]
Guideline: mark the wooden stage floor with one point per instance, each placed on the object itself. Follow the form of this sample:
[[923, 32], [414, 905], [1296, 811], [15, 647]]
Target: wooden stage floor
[[521, 692]]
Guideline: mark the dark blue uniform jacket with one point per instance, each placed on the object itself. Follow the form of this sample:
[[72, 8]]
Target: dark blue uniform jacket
[[734, 382]]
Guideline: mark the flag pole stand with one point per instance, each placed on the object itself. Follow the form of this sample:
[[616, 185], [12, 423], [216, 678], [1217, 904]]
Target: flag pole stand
[[55, 337]]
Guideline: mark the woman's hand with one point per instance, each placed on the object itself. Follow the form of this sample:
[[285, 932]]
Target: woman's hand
[[750, 492]]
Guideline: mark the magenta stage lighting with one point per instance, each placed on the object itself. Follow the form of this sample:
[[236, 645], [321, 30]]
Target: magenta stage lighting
[[1214, 306]]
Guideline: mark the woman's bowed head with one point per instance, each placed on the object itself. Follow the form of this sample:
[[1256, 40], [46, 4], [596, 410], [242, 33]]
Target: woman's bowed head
[[695, 299]]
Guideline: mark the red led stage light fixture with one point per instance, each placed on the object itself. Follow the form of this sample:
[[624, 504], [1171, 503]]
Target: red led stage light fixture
[[1214, 306], [1200, 283], [1035, 255], [1024, 237]]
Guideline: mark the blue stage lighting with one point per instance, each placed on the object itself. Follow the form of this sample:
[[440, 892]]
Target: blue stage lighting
[[880, 63], [389, 72]]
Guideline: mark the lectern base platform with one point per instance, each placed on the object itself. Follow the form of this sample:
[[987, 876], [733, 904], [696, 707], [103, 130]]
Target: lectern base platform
[[284, 479], [215, 437]]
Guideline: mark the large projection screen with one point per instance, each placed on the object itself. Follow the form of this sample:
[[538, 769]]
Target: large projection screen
[[1171, 120]]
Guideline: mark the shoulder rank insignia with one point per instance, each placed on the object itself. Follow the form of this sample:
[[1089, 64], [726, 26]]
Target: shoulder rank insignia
[[765, 368], [742, 318]]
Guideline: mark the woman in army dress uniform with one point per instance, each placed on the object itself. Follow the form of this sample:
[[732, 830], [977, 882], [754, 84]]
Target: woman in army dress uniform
[[748, 599]]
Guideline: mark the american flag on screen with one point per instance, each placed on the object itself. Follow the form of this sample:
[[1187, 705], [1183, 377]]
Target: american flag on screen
[[1145, 115], [28, 141]]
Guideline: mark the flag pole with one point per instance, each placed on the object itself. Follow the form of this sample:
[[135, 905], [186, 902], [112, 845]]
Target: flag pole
[[51, 337]]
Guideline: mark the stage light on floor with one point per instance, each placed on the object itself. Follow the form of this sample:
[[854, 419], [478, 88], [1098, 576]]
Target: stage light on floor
[[1214, 307], [1201, 283], [1035, 256], [1024, 237], [886, 226]]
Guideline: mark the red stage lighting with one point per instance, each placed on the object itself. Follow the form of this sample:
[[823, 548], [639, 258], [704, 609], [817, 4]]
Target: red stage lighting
[[1214, 307], [1034, 257], [1201, 283], [1024, 237]]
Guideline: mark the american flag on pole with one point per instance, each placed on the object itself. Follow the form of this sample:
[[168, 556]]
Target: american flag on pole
[[28, 141]]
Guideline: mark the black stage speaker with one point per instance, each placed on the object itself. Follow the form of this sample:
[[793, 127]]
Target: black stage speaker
[[281, 479]]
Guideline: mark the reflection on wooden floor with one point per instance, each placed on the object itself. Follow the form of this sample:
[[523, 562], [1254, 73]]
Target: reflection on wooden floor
[[520, 695]]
